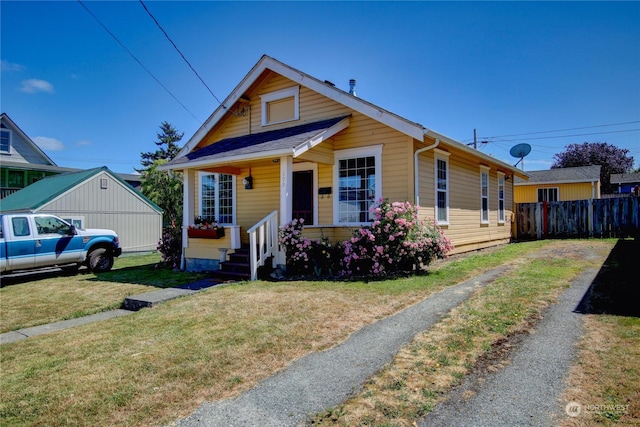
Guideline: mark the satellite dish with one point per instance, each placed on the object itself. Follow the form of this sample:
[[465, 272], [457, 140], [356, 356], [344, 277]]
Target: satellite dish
[[520, 151]]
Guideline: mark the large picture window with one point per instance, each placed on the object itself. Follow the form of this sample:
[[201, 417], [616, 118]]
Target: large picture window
[[358, 184], [216, 197], [442, 187]]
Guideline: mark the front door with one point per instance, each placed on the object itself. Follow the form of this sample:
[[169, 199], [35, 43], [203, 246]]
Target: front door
[[303, 196]]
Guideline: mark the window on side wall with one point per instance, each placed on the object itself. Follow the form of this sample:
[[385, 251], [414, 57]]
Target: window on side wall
[[484, 195], [547, 194], [280, 106], [5, 140], [442, 187], [501, 208], [358, 181], [216, 197]]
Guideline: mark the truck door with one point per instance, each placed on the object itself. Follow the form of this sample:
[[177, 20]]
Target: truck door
[[20, 244], [54, 242]]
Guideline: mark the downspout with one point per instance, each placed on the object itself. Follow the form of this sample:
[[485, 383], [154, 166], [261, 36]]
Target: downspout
[[416, 184]]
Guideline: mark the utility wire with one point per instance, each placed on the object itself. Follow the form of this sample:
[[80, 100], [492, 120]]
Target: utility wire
[[137, 60], [565, 136], [561, 130], [178, 50]]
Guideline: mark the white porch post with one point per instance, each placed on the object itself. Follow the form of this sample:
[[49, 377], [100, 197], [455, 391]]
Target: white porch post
[[286, 193], [188, 206]]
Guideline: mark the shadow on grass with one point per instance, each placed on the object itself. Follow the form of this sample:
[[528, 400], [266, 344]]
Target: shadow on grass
[[20, 277], [616, 288], [149, 275]]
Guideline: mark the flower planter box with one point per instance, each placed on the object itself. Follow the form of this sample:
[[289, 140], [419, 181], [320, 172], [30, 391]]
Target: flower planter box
[[205, 234]]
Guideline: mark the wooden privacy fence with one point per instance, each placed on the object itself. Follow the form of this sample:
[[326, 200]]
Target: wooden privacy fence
[[617, 217]]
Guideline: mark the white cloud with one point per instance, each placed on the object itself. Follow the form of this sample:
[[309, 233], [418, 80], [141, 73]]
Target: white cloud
[[48, 144], [83, 143], [10, 66], [36, 85]]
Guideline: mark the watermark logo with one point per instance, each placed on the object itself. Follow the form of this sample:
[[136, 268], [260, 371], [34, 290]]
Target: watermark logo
[[573, 409]]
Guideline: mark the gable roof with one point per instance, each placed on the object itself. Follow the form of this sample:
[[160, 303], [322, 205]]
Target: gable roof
[[562, 175], [625, 178], [412, 129], [41, 192], [4, 118]]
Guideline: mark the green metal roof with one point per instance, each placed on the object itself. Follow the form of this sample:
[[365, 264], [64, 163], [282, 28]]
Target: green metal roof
[[38, 194]]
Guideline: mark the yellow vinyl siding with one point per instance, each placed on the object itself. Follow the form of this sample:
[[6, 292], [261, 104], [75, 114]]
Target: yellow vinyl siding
[[566, 191], [465, 228]]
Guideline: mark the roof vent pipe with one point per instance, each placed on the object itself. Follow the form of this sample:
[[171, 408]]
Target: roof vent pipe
[[352, 87]]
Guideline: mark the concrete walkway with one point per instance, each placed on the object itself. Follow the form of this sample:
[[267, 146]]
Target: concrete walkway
[[130, 306], [325, 379]]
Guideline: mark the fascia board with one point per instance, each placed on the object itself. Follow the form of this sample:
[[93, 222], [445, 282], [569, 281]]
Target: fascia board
[[312, 142], [16, 128], [230, 159], [471, 151]]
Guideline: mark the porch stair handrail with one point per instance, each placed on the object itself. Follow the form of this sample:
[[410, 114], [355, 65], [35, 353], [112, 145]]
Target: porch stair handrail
[[263, 242]]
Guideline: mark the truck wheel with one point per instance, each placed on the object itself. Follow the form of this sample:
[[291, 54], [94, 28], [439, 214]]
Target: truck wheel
[[100, 260]]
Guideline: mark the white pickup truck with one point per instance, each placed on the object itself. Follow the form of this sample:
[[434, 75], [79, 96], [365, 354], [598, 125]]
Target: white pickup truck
[[29, 241]]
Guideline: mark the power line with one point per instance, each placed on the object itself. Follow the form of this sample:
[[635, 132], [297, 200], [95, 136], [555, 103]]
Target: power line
[[137, 60], [178, 50], [562, 130], [566, 136]]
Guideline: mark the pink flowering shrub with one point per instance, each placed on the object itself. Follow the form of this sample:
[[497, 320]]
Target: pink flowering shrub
[[396, 241], [305, 256]]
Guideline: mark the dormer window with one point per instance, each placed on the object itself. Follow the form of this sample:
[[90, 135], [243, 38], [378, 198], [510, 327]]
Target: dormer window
[[280, 106]]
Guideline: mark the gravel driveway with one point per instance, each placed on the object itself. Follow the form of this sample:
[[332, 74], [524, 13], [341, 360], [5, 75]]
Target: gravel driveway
[[524, 393]]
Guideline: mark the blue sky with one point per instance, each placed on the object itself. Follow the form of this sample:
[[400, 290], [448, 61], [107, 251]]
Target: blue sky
[[502, 68]]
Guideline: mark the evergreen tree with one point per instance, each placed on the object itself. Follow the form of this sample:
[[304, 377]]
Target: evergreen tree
[[166, 143]]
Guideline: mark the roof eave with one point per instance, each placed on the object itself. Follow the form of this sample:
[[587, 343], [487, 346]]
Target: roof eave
[[213, 161]]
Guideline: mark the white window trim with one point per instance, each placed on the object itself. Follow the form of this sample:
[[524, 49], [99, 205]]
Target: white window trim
[[308, 166], [444, 156], [71, 219], [217, 201], [501, 220], [350, 153], [485, 170], [549, 188], [10, 140], [281, 94]]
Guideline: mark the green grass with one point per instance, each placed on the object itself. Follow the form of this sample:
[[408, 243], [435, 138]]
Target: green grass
[[40, 298], [159, 364]]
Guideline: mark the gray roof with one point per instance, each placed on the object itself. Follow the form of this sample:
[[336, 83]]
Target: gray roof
[[260, 143], [625, 178], [578, 174]]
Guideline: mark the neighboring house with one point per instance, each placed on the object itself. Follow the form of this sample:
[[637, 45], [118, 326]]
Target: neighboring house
[[94, 198], [627, 182], [22, 162], [559, 185], [286, 145]]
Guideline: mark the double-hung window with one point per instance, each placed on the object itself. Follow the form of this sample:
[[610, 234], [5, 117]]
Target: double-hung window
[[358, 182], [216, 197], [5, 140], [484, 195], [501, 208], [442, 187]]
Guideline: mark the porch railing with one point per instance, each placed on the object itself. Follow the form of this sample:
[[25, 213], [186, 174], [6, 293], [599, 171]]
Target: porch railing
[[263, 242]]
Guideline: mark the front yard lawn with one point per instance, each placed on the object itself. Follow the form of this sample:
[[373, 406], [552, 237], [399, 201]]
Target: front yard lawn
[[44, 297]]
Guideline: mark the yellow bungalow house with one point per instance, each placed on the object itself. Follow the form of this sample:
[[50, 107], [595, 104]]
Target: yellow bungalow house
[[286, 145], [559, 185]]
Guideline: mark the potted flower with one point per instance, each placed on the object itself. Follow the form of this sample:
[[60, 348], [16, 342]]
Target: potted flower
[[205, 228]]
